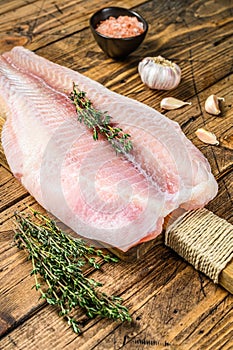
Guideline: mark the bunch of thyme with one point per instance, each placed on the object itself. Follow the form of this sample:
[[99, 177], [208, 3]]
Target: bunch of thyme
[[99, 122], [59, 258]]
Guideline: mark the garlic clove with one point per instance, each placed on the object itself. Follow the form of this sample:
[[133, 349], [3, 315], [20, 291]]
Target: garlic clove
[[207, 136], [159, 73], [212, 104], [170, 103]]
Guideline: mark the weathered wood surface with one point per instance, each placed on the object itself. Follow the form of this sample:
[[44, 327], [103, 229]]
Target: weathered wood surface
[[173, 306]]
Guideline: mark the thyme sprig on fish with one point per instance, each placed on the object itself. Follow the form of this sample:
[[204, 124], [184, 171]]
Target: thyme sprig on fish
[[99, 122], [59, 260]]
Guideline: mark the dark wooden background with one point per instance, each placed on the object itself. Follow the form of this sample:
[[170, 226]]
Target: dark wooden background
[[173, 306]]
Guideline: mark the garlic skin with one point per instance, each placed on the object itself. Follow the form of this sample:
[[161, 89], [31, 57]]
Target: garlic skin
[[212, 104], [159, 73], [170, 103], [207, 137]]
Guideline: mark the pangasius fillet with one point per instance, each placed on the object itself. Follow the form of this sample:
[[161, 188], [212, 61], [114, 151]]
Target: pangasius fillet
[[120, 200]]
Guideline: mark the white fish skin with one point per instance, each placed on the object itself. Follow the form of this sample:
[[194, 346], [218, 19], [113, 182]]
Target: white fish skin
[[82, 182], [164, 171]]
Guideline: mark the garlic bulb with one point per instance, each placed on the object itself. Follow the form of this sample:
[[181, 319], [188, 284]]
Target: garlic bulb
[[159, 73], [206, 136], [212, 104], [170, 103]]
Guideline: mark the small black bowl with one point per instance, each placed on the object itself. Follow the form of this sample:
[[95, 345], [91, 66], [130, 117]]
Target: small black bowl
[[117, 47]]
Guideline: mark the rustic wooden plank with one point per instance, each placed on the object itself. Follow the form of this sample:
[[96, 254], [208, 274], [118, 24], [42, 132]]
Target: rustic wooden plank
[[221, 205], [176, 325], [225, 278], [122, 76], [170, 302], [10, 312], [7, 215], [6, 245], [5, 175], [3, 161], [13, 5], [12, 261], [11, 192], [163, 299], [15, 280], [16, 271], [126, 281], [36, 23]]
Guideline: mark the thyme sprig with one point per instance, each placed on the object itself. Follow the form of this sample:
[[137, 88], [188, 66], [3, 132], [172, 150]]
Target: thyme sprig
[[59, 259], [99, 122]]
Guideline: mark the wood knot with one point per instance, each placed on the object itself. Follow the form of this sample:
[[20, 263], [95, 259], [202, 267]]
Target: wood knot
[[9, 41]]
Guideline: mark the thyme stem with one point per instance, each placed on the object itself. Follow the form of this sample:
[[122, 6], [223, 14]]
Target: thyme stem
[[99, 122], [59, 260]]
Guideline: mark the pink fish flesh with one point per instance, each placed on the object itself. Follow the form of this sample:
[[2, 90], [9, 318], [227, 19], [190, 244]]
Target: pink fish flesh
[[119, 200]]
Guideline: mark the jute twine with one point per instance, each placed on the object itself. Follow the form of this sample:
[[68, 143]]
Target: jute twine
[[203, 239]]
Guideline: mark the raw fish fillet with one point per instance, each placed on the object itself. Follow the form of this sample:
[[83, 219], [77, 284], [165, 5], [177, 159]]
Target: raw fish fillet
[[119, 200]]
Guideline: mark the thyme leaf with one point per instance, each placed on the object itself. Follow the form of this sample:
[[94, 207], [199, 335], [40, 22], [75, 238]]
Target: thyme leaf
[[59, 259], [99, 122]]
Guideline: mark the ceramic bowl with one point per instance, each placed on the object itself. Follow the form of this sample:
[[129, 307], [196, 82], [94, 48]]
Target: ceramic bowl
[[117, 47]]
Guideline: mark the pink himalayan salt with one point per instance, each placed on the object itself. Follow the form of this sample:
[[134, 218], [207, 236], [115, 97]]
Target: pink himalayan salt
[[121, 27]]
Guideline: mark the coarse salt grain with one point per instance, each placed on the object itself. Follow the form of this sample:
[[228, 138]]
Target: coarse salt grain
[[121, 27]]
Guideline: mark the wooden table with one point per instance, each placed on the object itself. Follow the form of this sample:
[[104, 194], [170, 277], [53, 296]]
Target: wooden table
[[172, 305]]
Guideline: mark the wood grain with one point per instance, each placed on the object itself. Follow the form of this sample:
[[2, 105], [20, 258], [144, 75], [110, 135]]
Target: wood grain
[[173, 306]]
